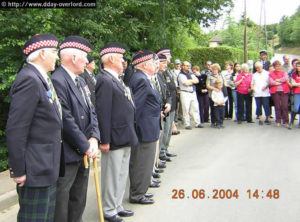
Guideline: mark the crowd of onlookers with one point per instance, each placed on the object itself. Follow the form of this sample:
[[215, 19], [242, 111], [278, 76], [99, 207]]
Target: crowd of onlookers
[[227, 94]]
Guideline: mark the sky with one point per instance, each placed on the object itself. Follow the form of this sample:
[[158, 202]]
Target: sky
[[275, 9]]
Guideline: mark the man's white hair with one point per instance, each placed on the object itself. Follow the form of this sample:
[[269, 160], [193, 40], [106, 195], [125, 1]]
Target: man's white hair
[[105, 58], [245, 65], [33, 56], [69, 52], [258, 64]]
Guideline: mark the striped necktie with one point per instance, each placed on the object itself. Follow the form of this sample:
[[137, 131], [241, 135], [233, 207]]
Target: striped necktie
[[54, 96], [80, 90]]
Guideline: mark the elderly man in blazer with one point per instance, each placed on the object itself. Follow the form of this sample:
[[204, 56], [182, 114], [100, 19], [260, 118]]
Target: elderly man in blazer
[[80, 128], [90, 78], [116, 113], [147, 101], [33, 131]]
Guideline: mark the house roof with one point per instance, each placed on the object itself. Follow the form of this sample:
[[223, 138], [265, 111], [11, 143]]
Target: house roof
[[217, 38]]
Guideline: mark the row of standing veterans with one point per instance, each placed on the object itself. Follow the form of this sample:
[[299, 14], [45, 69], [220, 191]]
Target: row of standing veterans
[[53, 123]]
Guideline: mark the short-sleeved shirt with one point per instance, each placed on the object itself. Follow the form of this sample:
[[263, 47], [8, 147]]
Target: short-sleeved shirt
[[259, 81], [211, 80]]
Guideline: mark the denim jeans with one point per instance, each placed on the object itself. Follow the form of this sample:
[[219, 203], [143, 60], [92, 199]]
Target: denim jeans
[[219, 114], [263, 102]]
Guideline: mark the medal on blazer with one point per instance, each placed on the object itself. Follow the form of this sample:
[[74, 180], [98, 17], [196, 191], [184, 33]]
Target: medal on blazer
[[168, 79], [127, 93], [88, 93], [50, 96]]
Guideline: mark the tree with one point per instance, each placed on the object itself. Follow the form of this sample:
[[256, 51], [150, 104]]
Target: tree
[[289, 29]]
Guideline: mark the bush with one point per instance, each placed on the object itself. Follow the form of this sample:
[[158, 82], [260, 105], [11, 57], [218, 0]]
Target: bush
[[3, 153], [221, 54]]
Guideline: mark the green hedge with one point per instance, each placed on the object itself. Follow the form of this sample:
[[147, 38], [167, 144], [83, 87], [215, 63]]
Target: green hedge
[[221, 54]]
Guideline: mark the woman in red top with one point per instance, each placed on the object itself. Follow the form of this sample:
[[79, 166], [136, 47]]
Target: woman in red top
[[279, 90], [295, 83], [243, 88]]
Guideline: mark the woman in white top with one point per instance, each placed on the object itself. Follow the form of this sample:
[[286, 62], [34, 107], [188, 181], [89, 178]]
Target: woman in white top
[[260, 87]]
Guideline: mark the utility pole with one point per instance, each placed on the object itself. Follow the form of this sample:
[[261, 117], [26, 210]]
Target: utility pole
[[265, 26], [245, 35], [264, 29], [259, 29]]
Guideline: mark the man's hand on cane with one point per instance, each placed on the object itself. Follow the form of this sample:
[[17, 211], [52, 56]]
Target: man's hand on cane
[[92, 152]]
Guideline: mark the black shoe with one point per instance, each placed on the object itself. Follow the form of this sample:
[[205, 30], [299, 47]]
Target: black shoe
[[260, 122], [114, 218], [125, 213], [156, 181], [162, 161], [165, 158], [250, 121], [159, 171], [149, 195], [239, 122], [161, 165], [154, 185], [188, 127], [155, 175], [176, 132], [267, 122], [199, 126], [171, 154], [143, 200]]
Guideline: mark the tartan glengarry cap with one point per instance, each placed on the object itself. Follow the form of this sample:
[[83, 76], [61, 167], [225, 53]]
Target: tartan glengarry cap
[[90, 59], [163, 51], [76, 42], [39, 41], [162, 56], [142, 56], [112, 48]]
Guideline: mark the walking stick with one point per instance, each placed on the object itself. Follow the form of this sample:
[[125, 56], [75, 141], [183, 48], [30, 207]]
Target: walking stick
[[157, 155], [96, 184], [98, 190]]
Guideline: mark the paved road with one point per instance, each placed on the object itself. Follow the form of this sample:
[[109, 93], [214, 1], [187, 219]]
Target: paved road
[[239, 157]]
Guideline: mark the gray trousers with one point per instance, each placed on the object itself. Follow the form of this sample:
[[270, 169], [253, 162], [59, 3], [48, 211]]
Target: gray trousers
[[71, 193], [166, 134], [114, 174], [140, 169]]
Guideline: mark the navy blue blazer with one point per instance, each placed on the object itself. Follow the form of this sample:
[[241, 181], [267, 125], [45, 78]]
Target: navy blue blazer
[[115, 112], [147, 101], [79, 119], [90, 83], [33, 130]]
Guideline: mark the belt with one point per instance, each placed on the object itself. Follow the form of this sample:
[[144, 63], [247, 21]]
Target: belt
[[186, 91]]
